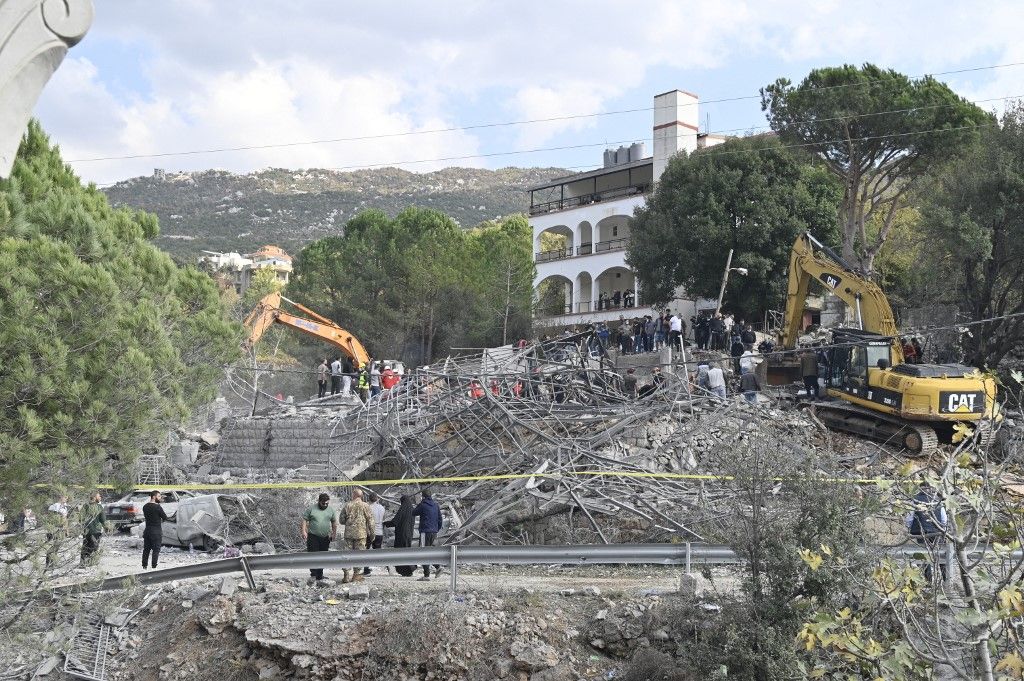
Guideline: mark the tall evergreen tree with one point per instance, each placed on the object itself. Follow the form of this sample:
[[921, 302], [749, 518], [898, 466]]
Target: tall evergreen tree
[[104, 342]]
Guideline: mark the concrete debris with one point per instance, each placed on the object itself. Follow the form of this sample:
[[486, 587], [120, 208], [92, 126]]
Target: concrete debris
[[556, 411], [210, 439], [228, 586], [359, 592], [48, 665]]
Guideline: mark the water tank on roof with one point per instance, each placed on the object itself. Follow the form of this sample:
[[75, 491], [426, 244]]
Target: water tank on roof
[[621, 155], [636, 151], [609, 158]]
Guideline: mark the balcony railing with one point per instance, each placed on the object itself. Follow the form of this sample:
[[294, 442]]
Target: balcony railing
[[583, 249], [612, 245], [587, 199], [556, 254]]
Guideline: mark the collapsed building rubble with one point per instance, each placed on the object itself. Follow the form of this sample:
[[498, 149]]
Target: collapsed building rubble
[[557, 411]]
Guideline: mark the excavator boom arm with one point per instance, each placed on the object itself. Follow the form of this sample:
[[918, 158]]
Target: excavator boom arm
[[811, 259], [268, 312]]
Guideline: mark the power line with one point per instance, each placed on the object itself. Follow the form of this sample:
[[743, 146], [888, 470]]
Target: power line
[[500, 124]]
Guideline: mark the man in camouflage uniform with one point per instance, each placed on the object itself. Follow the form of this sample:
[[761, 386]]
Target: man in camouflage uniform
[[358, 521]]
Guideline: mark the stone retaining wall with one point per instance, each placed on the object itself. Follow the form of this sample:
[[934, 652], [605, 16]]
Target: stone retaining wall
[[272, 443]]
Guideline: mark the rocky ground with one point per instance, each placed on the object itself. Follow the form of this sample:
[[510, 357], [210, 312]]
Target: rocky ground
[[538, 624], [502, 624]]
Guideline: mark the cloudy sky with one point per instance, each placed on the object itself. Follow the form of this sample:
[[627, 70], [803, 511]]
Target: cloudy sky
[[194, 75]]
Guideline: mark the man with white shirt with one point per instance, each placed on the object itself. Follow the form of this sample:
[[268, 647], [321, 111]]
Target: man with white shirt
[[747, 362], [336, 376], [675, 332], [716, 381]]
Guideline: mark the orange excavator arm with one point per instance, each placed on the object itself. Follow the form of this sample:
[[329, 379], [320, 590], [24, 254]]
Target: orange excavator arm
[[268, 312]]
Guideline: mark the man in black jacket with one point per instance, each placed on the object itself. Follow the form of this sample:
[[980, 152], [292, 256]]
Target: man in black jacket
[[153, 535]]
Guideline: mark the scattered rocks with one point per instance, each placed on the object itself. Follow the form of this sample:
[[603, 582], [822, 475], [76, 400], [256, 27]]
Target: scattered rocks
[[263, 547], [187, 605]]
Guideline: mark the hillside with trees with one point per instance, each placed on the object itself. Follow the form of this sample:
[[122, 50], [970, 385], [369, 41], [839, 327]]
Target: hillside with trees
[[221, 211]]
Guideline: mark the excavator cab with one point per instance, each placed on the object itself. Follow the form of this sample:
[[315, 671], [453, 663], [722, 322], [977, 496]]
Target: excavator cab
[[856, 362]]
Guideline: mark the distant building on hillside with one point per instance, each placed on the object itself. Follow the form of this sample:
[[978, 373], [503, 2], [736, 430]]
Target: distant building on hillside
[[241, 268], [581, 223], [267, 257]]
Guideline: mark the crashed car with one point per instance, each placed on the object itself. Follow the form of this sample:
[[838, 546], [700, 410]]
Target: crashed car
[[209, 521], [127, 510]]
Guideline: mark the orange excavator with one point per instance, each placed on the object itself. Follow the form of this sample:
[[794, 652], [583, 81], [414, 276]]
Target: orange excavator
[[268, 312]]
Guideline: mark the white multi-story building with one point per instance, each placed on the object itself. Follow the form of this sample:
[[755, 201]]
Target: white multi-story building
[[581, 223]]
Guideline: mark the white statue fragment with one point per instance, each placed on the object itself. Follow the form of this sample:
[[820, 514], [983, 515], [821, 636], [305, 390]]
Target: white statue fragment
[[34, 37]]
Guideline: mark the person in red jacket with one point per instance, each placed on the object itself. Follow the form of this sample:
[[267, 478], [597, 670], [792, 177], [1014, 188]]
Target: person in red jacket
[[389, 379]]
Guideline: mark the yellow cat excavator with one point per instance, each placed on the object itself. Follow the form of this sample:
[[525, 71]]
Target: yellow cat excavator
[[268, 312], [877, 394]]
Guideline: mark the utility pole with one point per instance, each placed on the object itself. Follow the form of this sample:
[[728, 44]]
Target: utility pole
[[725, 280]]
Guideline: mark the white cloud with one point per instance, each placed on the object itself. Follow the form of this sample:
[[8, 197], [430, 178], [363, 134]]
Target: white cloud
[[215, 74]]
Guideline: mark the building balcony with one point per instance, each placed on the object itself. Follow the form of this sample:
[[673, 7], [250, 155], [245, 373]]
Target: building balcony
[[582, 249], [587, 199]]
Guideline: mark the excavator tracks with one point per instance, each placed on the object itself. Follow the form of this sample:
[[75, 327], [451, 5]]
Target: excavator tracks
[[918, 438]]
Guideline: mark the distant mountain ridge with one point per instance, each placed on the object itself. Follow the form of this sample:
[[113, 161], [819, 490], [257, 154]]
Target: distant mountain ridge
[[220, 211]]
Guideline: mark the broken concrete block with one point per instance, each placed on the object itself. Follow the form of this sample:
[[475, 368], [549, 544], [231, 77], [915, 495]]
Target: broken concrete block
[[359, 592], [184, 452], [204, 470], [186, 604], [590, 591], [264, 548], [228, 586], [48, 666], [210, 438], [687, 585]]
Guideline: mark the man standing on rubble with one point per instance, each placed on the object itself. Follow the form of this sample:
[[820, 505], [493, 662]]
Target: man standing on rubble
[[376, 540], [716, 381], [809, 370], [322, 372], [429, 514], [346, 377], [357, 518], [675, 332], [336, 370], [318, 529], [717, 326]]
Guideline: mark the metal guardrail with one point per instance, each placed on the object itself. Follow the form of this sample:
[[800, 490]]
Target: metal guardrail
[[451, 557]]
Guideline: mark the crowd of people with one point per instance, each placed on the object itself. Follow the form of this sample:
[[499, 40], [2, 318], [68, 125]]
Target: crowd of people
[[364, 523], [643, 334], [371, 378]]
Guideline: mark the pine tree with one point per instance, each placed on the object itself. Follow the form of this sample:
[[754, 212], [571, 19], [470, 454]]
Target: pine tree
[[104, 342]]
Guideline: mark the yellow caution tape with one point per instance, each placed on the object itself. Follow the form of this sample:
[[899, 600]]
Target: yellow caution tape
[[197, 487]]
